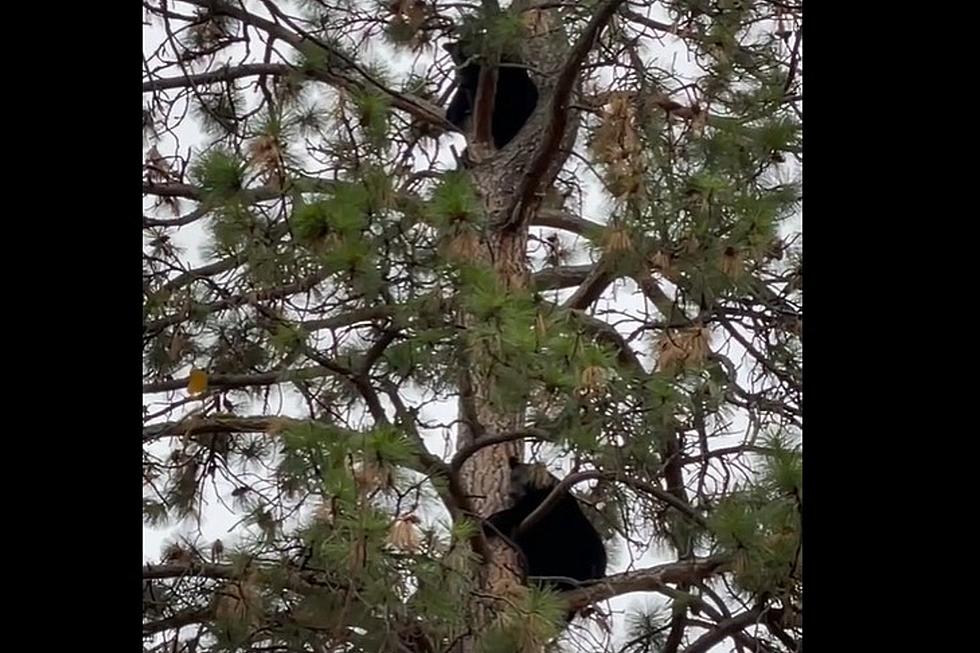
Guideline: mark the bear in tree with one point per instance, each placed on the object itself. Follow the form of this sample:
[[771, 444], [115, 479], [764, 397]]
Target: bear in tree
[[515, 98], [563, 549]]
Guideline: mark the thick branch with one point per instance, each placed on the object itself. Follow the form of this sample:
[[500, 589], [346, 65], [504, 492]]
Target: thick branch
[[561, 277], [558, 113], [466, 452], [557, 219], [178, 570], [554, 497], [652, 291], [355, 316], [203, 272], [186, 191], [591, 288], [657, 25], [249, 196], [196, 425], [184, 618], [607, 333], [738, 450], [486, 91], [654, 579], [183, 220]]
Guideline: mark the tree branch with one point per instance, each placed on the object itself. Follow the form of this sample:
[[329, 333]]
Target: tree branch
[[646, 580], [179, 570], [592, 287], [557, 219], [366, 314], [234, 301], [657, 25], [725, 628], [179, 620], [605, 332], [565, 276], [486, 91], [566, 484], [182, 221], [219, 424], [428, 464], [225, 74], [417, 107], [229, 381], [558, 112], [466, 452]]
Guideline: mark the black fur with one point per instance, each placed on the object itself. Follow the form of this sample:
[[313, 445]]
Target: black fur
[[515, 98], [563, 543]]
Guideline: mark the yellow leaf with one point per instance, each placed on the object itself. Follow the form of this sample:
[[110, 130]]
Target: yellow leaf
[[197, 382]]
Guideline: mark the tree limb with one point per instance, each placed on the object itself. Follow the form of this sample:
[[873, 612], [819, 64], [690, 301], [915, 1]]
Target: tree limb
[[558, 113], [557, 219], [592, 287], [229, 381], [646, 580], [566, 484], [179, 570], [565, 276], [179, 620], [467, 451], [251, 297], [225, 74], [724, 629], [417, 107]]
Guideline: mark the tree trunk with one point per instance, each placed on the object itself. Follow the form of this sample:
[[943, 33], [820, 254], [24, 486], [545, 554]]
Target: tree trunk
[[498, 178]]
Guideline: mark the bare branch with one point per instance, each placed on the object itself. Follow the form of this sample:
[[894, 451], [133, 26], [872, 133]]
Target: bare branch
[[226, 74], [654, 579], [229, 381], [556, 219], [592, 287], [466, 452], [657, 25], [179, 570], [561, 277], [279, 292], [217, 424], [724, 629], [185, 618], [605, 332]]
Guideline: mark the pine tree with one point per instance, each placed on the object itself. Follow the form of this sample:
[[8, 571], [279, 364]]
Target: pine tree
[[351, 325]]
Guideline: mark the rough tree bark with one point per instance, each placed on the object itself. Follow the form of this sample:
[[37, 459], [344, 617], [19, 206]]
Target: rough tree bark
[[510, 183]]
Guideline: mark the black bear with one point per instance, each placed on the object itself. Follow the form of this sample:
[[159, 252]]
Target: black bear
[[562, 545], [514, 101]]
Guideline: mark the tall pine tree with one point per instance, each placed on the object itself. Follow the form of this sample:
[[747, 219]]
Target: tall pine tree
[[351, 324]]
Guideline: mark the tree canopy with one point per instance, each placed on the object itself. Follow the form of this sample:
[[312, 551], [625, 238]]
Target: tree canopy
[[350, 325]]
